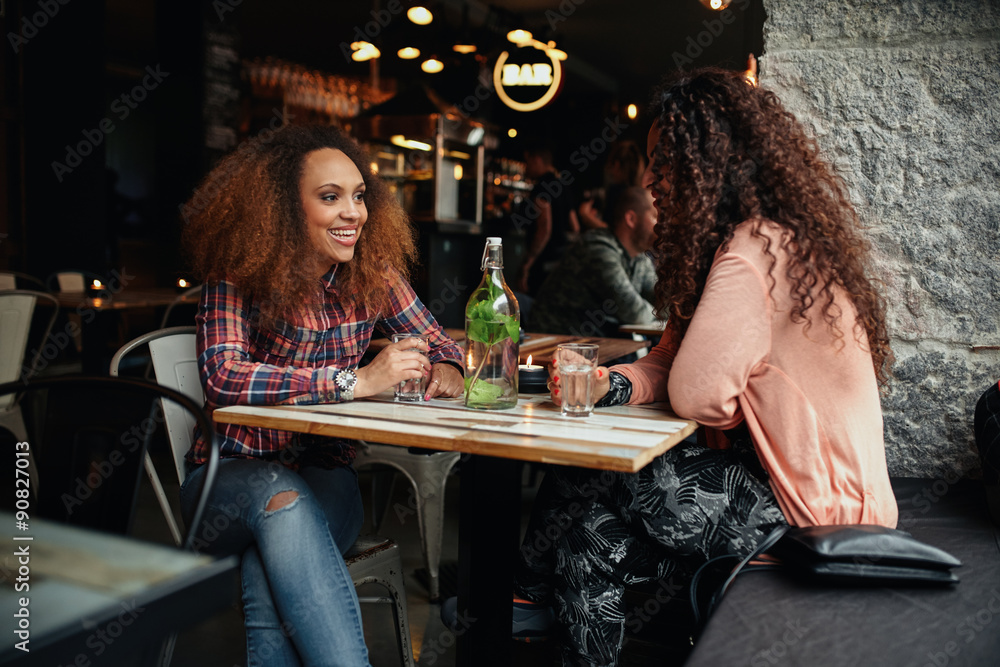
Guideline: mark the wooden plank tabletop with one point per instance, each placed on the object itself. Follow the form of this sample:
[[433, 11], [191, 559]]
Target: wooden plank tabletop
[[542, 346], [622, 438]]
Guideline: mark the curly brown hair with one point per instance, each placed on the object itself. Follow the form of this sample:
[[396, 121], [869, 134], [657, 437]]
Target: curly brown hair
[[246, 225], [730, 152]]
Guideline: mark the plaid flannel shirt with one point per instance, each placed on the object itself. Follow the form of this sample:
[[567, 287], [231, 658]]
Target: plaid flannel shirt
[[295, 363]]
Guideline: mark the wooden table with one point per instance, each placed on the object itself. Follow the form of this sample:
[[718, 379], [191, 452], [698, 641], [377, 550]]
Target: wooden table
[[542, 346], [150, 297], [97, 598], [97, 318], [622, 438]]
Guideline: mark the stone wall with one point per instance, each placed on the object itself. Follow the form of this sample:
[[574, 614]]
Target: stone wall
[[904, 98]]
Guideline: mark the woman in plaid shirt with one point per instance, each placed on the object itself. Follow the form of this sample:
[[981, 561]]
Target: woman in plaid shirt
[[304, 251]]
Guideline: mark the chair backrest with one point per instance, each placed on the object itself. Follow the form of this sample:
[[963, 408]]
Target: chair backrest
[[18, 280], [175, 365], [91, 444], [70, 281], [17, 309]]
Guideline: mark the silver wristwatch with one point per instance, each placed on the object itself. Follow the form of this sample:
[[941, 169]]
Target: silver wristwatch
[[346, 380]]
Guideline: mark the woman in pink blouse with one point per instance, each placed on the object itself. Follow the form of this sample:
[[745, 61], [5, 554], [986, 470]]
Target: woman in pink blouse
[[777, 344]]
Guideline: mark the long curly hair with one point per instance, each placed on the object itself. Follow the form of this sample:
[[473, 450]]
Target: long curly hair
[[246, 225], [728, 152]]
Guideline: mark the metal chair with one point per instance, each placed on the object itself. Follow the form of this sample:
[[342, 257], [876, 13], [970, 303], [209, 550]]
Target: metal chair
[[428, 474], [372, 559], [16, 280], [89, 451], [17, 309]]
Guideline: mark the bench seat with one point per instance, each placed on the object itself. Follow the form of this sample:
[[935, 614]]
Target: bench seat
[[769, 618]]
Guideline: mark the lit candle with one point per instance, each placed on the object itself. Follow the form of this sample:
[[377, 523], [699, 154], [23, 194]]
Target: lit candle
[[531, 378]]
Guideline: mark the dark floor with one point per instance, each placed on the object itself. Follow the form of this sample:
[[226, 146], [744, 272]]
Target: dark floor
[[219, 642]]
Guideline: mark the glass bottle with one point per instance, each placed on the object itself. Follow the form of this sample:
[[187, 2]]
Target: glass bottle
[[492, 328]]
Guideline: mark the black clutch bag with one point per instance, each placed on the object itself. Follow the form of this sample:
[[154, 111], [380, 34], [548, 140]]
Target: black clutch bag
[[861, 555], [864, 554]]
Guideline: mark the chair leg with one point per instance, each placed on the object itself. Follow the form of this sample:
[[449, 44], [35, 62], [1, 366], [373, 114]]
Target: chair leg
[[383, 481], [161, 498]]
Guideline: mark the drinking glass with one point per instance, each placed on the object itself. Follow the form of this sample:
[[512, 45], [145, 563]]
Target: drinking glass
[[576, 363], [409, 391]]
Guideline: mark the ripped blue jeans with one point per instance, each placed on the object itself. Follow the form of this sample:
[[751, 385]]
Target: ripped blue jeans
[[291, 528]]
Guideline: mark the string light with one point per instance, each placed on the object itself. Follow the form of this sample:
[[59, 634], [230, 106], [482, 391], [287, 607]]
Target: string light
[[419, 15], [432, 65], [364, 51], [408, 53]]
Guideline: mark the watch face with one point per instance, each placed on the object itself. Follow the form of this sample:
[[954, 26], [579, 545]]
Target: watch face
[[346, 379]]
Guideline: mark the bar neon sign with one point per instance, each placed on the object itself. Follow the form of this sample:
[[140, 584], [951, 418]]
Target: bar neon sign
[[546, 76]]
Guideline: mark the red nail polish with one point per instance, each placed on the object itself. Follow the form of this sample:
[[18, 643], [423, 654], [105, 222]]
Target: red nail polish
[[555, 378], [600, 374]]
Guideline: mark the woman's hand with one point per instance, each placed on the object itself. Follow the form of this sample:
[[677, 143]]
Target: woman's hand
[[405, 360], [445, 381], [599, 387]]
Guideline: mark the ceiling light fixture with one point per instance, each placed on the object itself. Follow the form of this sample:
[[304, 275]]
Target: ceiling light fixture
[[364, 51], [432, 66], [408, 53], [632, 111], [464, 48], [716, 5], [519, 37], [419, 15]]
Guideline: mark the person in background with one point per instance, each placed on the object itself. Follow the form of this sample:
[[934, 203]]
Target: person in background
[[551, 205], [776, 344], [623, 170], [304, 252], [606, 278], [986, 424]]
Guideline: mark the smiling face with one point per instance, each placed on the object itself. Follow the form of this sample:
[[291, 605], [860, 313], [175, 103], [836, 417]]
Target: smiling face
[[332, 192]]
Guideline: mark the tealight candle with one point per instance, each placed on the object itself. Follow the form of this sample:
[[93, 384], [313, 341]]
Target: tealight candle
[[531, 378]]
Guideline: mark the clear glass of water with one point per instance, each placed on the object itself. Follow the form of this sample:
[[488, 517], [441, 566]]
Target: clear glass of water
[[576, 363], [411, 391]]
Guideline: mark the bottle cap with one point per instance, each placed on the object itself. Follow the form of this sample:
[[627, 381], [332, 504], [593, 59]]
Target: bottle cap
[[494, 240]]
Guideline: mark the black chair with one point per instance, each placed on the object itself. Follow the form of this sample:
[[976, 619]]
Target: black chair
[[88, 436]]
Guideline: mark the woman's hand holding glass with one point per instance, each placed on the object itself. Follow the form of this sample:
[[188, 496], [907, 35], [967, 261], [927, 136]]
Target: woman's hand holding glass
[[600, 385], [407, 360]]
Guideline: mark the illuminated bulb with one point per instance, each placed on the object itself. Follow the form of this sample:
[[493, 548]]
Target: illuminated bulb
[[511, 133], [519, 36], [419, 15], [403, 142], [432, 66], [364, 51], [459, 172], [716, 5], [97, 284], [408, 53], [182, 283], [558, 54], [632, 111], [374, 166], [464, 48]]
